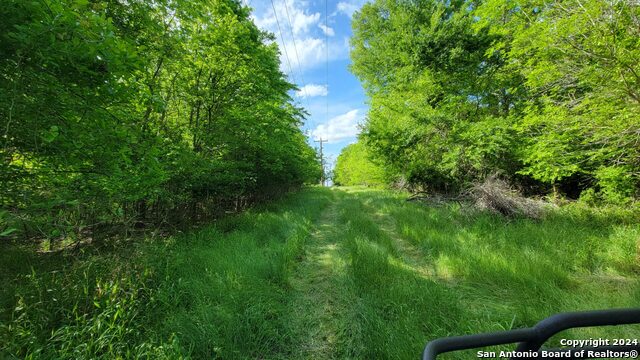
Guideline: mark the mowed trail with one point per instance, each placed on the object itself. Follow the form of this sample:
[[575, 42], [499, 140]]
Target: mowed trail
[[380, 277], [330, 311], [318, 288]]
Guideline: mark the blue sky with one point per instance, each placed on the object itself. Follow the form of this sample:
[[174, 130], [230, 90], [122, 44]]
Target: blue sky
[[308, 70]]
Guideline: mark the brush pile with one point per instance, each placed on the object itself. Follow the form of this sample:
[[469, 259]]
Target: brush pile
[[497, 196]]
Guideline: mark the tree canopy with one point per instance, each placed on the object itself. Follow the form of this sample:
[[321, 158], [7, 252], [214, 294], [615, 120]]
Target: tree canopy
[[543, 93], [115, 111]]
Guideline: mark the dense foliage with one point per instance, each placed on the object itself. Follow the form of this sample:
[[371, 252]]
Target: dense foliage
[[130, 111], [547, 94], [354, 167]]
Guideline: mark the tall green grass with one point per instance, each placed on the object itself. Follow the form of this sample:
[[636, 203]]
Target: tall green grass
[[395, 308], [479, 272], [390, 276], [220, 292], [227, 286]]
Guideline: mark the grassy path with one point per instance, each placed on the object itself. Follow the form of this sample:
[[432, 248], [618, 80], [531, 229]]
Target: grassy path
[[316, 289], [320, 274], [411, 256]]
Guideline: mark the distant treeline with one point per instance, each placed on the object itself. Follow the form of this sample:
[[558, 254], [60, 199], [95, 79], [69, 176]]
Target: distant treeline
[[136, 112], [354, 167], [544, 94]]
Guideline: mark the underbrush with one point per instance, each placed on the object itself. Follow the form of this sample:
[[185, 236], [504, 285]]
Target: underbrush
[[497, 196]]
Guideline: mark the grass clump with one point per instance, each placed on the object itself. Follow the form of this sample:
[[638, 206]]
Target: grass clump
[[91, 308]]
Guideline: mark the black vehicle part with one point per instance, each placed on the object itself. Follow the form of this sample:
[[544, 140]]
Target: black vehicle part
[[531, 339]]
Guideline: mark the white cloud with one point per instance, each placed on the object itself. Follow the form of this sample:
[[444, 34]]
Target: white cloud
[[340, 127], [312, 90], [348, 7], [312, 52], [301, 19], [327, 30], [308, 30]]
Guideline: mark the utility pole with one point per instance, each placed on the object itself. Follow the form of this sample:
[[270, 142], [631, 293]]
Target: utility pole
[[321, 159]]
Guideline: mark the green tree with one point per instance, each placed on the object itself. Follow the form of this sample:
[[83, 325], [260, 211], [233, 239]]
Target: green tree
[[354, 167], [441, 108], [543, 93], [117, 112]]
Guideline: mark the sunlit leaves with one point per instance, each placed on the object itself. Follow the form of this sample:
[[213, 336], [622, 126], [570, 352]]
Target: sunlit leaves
[[141, 104], [541, 89]]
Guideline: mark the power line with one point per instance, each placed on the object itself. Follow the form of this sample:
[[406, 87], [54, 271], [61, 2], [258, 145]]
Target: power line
[[286, 54], [326, 37], [295, 47]]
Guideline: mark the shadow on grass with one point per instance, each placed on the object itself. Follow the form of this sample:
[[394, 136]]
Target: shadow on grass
[[395, 307], [509, 273], [216, 292]]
